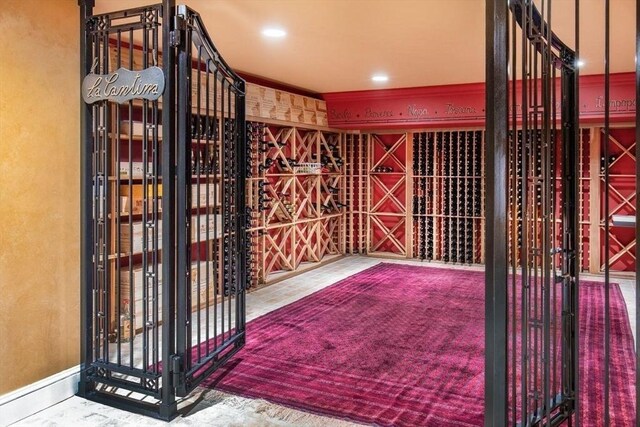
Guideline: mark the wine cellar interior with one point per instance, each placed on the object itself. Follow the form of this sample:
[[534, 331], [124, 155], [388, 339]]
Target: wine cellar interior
[[273, 239]]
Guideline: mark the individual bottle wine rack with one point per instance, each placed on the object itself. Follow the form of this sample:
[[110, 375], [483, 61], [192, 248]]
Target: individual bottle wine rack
[[257, 195], [515, 193], [204, 127], [527, 186], [423, 195], [448, 196], [584, 207], [357, 163]]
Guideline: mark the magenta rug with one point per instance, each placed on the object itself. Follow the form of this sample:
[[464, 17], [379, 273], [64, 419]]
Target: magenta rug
[[401, 345]]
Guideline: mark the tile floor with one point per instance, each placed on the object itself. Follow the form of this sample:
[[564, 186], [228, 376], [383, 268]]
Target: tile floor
[[213, 408]]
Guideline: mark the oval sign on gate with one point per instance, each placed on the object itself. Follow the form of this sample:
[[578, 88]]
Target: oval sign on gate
[[123, 85]]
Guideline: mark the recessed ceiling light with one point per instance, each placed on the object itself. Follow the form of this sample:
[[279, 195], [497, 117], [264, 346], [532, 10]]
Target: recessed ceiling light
[[380, 78], [274, 32], [579, 63]]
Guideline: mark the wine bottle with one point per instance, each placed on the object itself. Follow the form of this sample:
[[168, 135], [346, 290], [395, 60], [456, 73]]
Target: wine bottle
[[266, 165], [284, 166]]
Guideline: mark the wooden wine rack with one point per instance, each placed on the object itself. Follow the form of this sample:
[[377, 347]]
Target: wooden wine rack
[[622, 198], [387, 219], [448, 209], [435, 209], [584, 201], [297, 197], [534, 211], [356, 150], [591, 194], [405, 195]]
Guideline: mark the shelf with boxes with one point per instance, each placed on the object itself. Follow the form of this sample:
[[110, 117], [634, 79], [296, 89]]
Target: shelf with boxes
[[296, 197], [298, 187], [135, 216]]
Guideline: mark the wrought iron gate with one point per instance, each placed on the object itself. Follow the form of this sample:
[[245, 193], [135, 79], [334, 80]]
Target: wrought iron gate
[[211, 173], [532, 305], [163, 212]]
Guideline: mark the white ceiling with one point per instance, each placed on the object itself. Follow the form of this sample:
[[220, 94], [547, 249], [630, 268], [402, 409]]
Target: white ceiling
[[336, 45]]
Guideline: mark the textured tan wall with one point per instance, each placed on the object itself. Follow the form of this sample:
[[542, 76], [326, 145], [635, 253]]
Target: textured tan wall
[[39, 190]]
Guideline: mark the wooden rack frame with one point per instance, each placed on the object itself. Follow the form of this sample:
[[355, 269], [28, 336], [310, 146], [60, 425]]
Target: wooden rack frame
[[356, 150], [401, 202], [384, 220], [388, 225], [622, 198], [297, 197]]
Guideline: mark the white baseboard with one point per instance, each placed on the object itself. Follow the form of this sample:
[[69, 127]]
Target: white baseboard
[[40, 395]]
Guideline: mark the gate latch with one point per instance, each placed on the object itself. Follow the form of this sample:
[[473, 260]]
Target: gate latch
[[179, 25]]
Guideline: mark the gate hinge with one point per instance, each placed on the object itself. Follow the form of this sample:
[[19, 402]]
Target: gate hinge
[[177, 371], [179, 25]]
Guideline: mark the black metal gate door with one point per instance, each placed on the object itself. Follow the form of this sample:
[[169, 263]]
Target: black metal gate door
[[532, 246], [543, 293], [211, 171], [163, 207]]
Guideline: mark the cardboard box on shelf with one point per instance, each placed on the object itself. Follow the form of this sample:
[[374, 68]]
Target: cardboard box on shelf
[[137, 128], [199, 195], [135, 170], [145, 291], [199, 227], [132, 198], [127, 240]]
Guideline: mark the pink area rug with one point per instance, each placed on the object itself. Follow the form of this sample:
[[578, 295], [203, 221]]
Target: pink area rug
[[399, 345]]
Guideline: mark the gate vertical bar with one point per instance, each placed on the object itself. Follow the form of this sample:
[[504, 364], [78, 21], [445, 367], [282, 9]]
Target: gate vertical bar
[[241, 208], [637, 208], [183, 221], [168, 407], [86, 189], [574, 347], [547, 85], [607, 314], [496, 214], [570, 240]]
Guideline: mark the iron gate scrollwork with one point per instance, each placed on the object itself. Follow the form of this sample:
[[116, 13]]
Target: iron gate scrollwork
[[163, 208]]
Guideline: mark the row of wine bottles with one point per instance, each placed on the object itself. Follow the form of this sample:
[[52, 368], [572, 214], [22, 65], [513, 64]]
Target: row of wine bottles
[[448, 168], [460, 241], [204, 162], [460, 156], [423, 237], [462, 197], [264, 202], [204, 127]]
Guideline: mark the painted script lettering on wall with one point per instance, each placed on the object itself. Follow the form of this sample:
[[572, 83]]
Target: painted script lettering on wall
[[123, 85]]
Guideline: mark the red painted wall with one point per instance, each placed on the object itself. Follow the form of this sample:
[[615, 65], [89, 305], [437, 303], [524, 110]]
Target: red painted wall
[[461, 105]]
